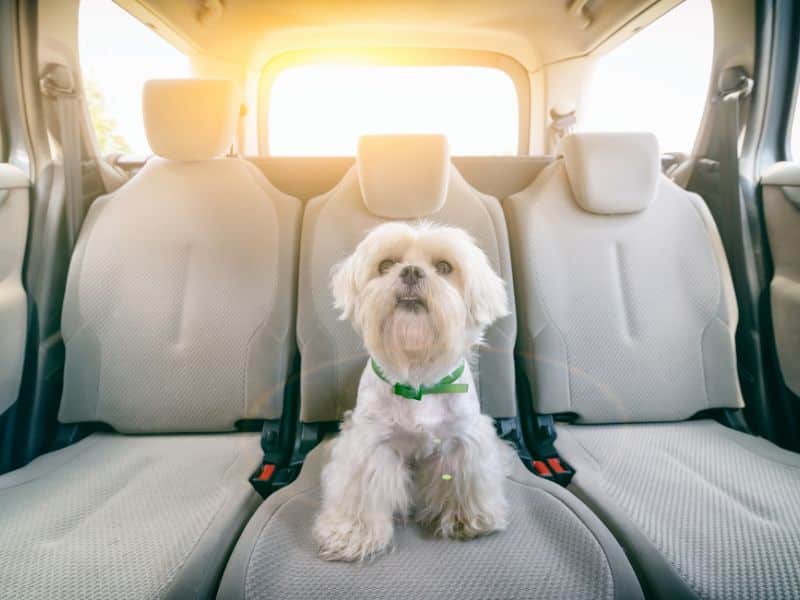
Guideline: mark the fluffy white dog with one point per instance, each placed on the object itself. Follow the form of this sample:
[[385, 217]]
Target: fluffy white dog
[[421, 297]]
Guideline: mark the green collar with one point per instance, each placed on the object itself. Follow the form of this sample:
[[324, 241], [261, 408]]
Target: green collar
[[445, 386]]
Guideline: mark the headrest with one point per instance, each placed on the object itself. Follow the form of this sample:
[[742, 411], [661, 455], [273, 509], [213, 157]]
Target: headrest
[[190, 119], [612, 173], [403, 176]]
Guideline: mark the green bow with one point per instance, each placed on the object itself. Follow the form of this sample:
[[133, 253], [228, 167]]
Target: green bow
[[445, 386]]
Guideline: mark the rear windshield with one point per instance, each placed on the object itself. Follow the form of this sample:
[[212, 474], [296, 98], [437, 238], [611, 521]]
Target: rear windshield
[[321, 110]]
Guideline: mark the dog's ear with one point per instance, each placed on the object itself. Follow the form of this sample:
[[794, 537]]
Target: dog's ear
[[344, 288], [485, 292]]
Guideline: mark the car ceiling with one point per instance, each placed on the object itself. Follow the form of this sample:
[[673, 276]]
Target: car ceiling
[[250, 32]]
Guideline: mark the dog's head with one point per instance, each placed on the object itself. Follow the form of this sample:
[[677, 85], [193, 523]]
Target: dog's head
[[420, 295]]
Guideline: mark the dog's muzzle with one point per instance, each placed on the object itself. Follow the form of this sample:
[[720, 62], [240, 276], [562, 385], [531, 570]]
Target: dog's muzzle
[[409, 297]]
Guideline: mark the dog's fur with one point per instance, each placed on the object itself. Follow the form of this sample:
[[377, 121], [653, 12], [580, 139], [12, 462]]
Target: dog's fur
[[393, 452]]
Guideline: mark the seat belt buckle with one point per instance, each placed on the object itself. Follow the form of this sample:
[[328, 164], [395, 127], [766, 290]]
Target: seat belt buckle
[[553, 468], [261, 480], [546, 462], [269, 478]]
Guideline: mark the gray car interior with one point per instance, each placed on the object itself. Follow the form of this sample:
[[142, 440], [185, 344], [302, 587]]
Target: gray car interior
[[332, 362], [170, 327], [154, 345], [172, 446], [628, 325]]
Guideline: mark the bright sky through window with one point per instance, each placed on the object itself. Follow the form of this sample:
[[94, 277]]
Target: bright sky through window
[[657, 80], [118, 54], [794, 135], [321, 110]]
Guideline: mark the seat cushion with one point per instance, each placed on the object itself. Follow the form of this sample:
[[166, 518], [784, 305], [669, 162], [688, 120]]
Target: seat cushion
[[553, 548], [118, 516], [704, 511]]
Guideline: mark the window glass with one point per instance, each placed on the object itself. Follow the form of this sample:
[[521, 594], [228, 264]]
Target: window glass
[[656, 81], [3, 157], [118, 54], [794, 134], [321, 110]]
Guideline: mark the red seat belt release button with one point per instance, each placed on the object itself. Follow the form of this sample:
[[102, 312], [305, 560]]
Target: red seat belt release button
[[541, 468], [555, 465], [266, 472]]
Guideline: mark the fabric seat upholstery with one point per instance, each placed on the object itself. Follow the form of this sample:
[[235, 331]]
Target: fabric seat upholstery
[[551, 550], [627, 323], [178, 319], [716, 506], [553, 547], [118, 516]]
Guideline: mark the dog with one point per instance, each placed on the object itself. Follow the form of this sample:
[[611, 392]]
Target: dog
[[421, 296]]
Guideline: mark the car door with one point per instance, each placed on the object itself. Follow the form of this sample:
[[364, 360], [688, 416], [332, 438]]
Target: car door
[[14, 209], [780, 195]]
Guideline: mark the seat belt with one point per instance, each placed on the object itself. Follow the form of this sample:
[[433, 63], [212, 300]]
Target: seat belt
[[561, 124], [734, 85], [58, 85]]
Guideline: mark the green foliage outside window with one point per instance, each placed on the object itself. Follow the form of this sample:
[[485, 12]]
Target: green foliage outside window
[[109, 140]]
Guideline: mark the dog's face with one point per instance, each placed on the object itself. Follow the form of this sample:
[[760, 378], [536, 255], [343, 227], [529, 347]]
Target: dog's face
[[420, 295]]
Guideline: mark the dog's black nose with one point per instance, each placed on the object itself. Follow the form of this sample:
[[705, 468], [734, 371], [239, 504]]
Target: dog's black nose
[[410, 275]]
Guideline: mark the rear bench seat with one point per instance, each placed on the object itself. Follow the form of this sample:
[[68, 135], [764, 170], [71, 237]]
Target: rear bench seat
[[554, 546], [178, 321], [627, 320]]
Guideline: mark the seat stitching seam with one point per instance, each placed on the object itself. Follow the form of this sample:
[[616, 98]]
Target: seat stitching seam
[[595, 506], [597, 461], [583, 523], [551, 321], [267, 313], [311, 224], [546, 310], [699, 215], [632, 522], [90, 234], [686, 469], [760, 455], [491, 220], [211, 521], [703, 361], [38, 477], [268, 521]]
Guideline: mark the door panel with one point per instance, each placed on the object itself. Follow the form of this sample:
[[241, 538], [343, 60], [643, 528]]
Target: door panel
[[13, 300], [781, 198]]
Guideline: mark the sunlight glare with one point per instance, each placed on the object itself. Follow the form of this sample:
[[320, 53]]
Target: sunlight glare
[[656, 81], [321, 110]]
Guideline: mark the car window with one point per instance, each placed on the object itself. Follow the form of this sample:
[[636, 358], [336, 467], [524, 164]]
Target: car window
[[3, 156], [794, 132], [655, 81], [321, 110], [118, 54]]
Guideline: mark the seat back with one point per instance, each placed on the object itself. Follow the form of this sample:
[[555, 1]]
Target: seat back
[[625, 299], [178, 312], [396, 178]]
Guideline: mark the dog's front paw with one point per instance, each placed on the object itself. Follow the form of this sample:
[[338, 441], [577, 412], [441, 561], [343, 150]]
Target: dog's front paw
[[340, 538], [461, 524]]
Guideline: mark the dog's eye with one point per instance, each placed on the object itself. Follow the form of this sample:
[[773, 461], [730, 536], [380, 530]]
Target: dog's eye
[[443, 267], [385, 265]]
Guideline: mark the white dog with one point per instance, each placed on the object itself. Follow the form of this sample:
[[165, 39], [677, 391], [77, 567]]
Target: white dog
[[421, 297]]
